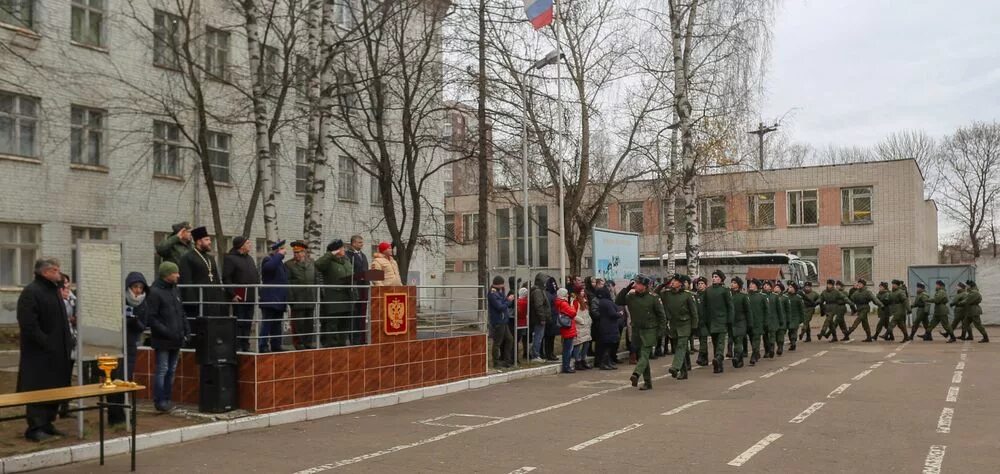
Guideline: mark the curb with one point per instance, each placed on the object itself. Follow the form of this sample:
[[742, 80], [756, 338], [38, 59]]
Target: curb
[[114, 446]]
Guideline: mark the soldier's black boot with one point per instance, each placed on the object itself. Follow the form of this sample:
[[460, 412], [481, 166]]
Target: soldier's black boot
[[702, 359], [809, 336], [754, 357], [716, 366], [792, 346], [781, 348], [647, 385], [927, 336], [673, 372], [984, 340], [683, 375], [687, 362], [634, 379], [913, 332]]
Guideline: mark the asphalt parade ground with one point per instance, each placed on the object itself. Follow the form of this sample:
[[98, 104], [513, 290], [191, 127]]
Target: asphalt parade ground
[[828, 407]]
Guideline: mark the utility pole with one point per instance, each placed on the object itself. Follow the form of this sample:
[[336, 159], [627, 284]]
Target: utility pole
[[483, 161], [760, 132]]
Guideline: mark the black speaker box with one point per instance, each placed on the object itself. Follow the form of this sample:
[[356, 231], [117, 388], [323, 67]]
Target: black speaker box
[[217, 391], [215, 340]]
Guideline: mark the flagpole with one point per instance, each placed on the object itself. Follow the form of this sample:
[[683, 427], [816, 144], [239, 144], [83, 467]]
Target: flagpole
[[558, 147]]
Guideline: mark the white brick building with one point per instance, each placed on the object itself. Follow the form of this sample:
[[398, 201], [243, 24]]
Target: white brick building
[[82, 154]]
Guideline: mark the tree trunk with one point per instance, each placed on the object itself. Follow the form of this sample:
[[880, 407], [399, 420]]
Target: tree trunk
[[320, 15], [682, 30], [262, 142], [484, 210]]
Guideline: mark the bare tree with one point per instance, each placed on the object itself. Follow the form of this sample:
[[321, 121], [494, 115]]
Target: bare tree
[[971, 167]]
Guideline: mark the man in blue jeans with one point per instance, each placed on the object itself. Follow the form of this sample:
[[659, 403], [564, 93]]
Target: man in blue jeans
[[170, 330], [539, 310]]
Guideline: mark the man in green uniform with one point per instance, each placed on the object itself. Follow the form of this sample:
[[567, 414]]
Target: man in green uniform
[[811, 300], [796, 313], [958, 302], [862, 298], [834, 305], [172, 248], [771, 318], [781, 305], [700, 285], [940, 301], [302, 271], [682, 314], [741, 316], [717, 309], [921, 301], [334, 268], [897, 309], [974, 312], [648, 316], [883, 312], [757, 317]]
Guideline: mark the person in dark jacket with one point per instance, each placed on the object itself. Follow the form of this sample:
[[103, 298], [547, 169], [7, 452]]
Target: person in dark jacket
[[302, 271], [198, 267], [238, 267], [335, 269], [607, 335], [135, 323], [170, 331], [273, 301], [551, 328], [176, 245], [499, 314], [360, 261], [539, 309], [46, 345]]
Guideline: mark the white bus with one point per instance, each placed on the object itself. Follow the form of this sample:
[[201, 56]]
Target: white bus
[[732, 263]]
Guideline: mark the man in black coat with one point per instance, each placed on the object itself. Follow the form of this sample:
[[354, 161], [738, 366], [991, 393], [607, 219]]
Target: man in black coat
[[46, 345], [238, 267], [198, 267], [170, 330], [360, 262]]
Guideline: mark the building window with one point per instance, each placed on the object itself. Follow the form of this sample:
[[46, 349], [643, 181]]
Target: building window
[[803, 208], [301, 170], [761, 210], [503, 237], [537, 238], [373, 189], [470, 267], [86, 136], [85, 233], [343, 14], [218, 156], [19, 13], [347, 93], [859, 263], [680, 214], [470, 227], [601, 220], [18, 125], [347, 189], [542, 232], [302, 72], [167, 38], [449, 228], [713, 213], [631, 217], [217, 53], [19, 245], [166, 149], [88, 22], [272, 67], [449, 265], [856, 204]]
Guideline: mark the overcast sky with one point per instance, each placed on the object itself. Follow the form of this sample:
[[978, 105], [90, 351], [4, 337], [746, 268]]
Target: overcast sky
[[849, 72]]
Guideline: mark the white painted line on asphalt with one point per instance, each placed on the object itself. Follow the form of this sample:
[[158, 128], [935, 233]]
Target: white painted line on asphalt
[[800, 361], [849, 341], [805, 413], [839, 390], [683, 407], [890, 355], [944, 421], [523, 470], [956, 377], [952, 394], [963, 356], [605, 436], [743, 458], [876, 365], [935, 457], [774, 372], [820, 353], [740, 385], [960, 365], [861, 375]]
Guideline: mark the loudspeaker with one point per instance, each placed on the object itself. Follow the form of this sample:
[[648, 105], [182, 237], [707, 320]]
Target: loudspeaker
[[217, 388], [215, 340]]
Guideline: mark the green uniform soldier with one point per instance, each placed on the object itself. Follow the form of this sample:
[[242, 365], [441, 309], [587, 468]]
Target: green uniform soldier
[[834, 303], [682, 314], [898, 304], [700, 285], [771, 319], [796, 314], [940, 315], [921, 302], [334, 268], [756, 320], [302, 271], [974, 312], [811, 300], [648, 317], [717, 310], [172, 248], [862, 298], [781, 305], [741, 320], [958, 302], [883, 312]]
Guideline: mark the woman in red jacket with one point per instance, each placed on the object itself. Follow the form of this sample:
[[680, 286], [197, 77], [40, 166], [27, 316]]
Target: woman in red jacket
[[522, 322], [568, 333]]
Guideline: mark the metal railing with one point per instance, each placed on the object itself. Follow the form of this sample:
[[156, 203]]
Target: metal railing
[[445, 311]]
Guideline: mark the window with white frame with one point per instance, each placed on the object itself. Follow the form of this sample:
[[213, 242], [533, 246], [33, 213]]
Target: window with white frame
[[343, 14], [84, 233], [19, 246], [680, 214], [503, 237], [166, 149], [347, 93], [217, 53], [168, 34], [538, 235], [301, 170], [856, 205], [631, 217], [761, 206], [859, 263], [375, 194], [86, 136], [347, 184], [449, 229], [218, 155], [803, 207], [272, 67], [87, 22], [713, 213], [20, 13], [470, 266], [18, 125], [302, 71], [470, 227]]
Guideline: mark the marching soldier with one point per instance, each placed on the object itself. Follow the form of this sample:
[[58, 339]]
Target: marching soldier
[[834, 305], [682, 314], [958, 302], [862, 298], [920, 302], [940, 301], [811, 300], [781, 305], [771, 319], [717, 310], [757, 316], [898, 303], [741, 315], [701, 284], [648, 317], [796, 313], [883, 313], [974, 312]]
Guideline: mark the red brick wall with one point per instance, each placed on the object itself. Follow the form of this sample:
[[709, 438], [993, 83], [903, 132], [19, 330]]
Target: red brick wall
[[614, 218], [829, 208], [831, 263], [780, 209]]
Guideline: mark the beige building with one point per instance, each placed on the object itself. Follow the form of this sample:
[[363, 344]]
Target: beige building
[[864, 220]]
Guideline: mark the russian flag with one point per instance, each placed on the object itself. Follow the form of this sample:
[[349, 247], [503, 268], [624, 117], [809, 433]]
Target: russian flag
[[539, 12]]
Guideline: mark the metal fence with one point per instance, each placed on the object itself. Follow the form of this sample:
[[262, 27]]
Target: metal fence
[[444, 311]]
